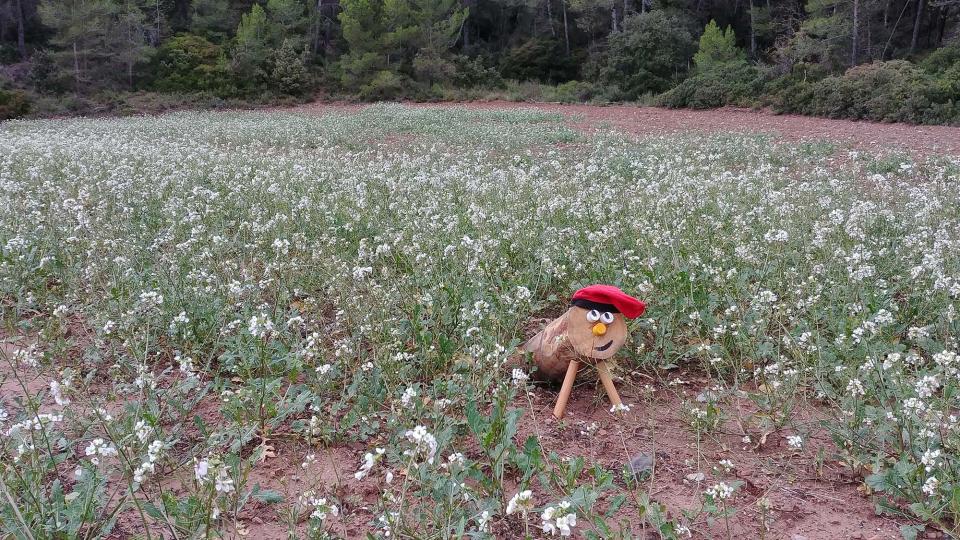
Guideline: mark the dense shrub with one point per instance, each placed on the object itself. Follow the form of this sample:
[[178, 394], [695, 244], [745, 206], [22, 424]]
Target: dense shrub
[[792, 92], [45, 75], [539, 59], [475, 73], [942, 59], [13, 104], [649, 55], [189, 63], [734, 84], [894, 91]]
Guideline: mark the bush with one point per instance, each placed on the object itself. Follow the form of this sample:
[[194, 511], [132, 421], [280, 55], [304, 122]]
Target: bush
[[45, 74], [573, 92], [894, 91], [13, 104], [649, 55], [793, 92], [539, 59], [189, 63], [384, 85], [736, 84], [942, 59], [475, 73]]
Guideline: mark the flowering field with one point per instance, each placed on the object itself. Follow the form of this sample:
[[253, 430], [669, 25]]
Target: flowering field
[[283, 325]]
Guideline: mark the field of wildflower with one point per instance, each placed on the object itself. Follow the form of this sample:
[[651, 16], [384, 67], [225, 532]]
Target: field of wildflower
[[290, 325]]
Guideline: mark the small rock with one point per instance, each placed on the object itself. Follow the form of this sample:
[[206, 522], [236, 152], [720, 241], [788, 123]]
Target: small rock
[[798, 537], [640, 463], [696, 477]]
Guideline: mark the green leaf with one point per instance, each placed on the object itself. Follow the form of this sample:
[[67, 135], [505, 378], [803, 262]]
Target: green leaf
[[267, 496], [909, 532]]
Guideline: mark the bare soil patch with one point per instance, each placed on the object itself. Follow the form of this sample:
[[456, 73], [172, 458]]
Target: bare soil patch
[[810, 499]]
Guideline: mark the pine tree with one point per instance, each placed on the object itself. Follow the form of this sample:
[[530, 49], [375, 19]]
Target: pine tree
[[717, 48], [212, 19]]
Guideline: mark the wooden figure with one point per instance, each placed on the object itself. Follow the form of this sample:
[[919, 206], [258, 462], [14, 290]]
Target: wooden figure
[[590, 332]]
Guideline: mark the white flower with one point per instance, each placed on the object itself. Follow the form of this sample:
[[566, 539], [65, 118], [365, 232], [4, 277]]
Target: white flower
[[407, 396], [260, 325], [201, 469], [308, 460], [620, 408], [483, 522], [423, 440], [720, 491], [930, 486], [369, 460], [97, 449], [930, 459], [795, 441], [558, 519], [855, 388], [223, 484], [521, 501], [927, 385], [519, 377], [57, 393]]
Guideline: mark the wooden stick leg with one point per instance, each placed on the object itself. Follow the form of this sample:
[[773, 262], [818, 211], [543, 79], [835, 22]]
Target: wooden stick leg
[[565, 389], [603, 370]]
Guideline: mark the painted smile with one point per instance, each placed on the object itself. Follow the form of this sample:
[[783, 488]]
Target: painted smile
[[604, 347]]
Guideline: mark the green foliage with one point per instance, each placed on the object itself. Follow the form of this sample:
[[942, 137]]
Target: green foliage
[[793, 91], [393, 43], [942, 59], [649, 55], [189, 63], [894, 91], [738, 85], [13, 104], [212, 19], [718, 48], [289, 70], [539, 59], [45, 75]]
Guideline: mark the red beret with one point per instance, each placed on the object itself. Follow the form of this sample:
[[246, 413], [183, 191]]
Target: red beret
[[607, 296]]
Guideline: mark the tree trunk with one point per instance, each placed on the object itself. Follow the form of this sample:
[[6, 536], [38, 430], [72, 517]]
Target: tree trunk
[[753, 32], [21, 39], [613, 18], [566, 32], [553, 31], [942, 27], [856, 30], [76, 65], [916, 26]]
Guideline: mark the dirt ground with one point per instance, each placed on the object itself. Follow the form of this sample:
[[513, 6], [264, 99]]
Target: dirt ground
[[917, 140]]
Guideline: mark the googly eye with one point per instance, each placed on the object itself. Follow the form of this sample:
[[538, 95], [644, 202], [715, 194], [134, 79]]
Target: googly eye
[[606, 317], [593, 315]]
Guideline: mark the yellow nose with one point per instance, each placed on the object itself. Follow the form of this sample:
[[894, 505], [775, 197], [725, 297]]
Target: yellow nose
[[599, 329]]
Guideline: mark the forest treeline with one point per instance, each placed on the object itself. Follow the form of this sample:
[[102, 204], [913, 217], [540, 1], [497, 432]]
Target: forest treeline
[[887, 60]]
